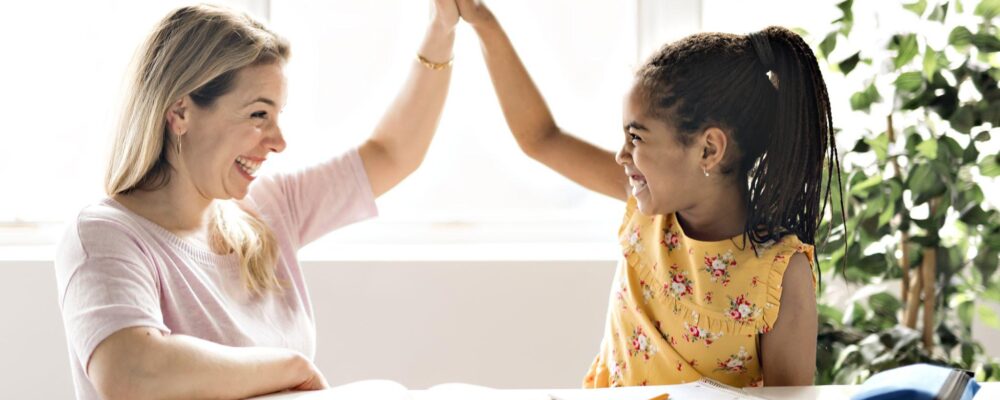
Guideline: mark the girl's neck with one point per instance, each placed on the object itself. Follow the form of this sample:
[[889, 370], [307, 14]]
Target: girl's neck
[[719, 216]]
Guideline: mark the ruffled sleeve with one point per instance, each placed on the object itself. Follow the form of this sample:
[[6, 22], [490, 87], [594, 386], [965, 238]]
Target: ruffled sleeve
[[631, 207], [781, 256]]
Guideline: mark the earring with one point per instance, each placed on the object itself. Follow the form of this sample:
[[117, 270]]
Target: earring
[[179, 146], [705, 171]]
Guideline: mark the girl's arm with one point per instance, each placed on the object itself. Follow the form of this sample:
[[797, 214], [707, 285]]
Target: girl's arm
[[143, 363], [401, 138], [529, 117], [788, 352]]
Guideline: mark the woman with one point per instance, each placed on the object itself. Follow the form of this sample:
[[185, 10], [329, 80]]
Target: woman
[[184, 283]]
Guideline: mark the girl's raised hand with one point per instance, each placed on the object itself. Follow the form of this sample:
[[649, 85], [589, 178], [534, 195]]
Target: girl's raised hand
[[473, 11]]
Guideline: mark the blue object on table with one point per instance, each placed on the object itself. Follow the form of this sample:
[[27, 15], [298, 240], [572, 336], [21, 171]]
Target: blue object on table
[[919, 382]]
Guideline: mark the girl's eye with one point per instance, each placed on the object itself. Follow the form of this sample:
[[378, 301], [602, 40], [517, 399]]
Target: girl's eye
[[259, 114], [633, 138]]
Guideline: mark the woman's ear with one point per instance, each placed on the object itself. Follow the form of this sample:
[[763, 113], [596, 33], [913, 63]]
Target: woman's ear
[[178, 116], [714, 143]]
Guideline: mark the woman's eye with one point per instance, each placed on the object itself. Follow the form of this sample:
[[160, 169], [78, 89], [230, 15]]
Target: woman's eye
[[259, 114], [632, 137]]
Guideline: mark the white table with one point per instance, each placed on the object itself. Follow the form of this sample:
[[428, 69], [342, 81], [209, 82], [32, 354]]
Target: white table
[[388, 390]]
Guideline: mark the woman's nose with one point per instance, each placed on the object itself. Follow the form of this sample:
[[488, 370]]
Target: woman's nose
[[275, 141]]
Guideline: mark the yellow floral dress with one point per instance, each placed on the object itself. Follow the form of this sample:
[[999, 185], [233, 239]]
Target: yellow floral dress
[[682, 309]]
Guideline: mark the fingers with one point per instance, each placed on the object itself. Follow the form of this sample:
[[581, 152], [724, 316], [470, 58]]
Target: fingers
[[446, 12], [319, 381]]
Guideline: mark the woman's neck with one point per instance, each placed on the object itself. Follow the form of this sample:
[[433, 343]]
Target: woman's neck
[[177, 207], [720, 216]]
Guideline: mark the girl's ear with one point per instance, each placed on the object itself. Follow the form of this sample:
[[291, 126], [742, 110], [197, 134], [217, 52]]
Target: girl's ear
[[178, 116], [714, 142]]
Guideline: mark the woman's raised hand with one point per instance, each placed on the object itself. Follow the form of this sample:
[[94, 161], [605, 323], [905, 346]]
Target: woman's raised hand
[[446, 13]]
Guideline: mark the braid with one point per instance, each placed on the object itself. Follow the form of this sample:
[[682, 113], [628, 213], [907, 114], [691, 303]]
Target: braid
[[804, 132]]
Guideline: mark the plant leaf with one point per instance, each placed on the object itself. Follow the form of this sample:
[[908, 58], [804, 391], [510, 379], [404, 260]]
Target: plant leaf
[[963, 119], [849, 63], [988, 9], [861, 188], [930, 63], [939, 13], [917, 8], [924, 183], [887, 214], [986, 262], [907, 49], [970, 154], [960, 37], [990, 167], [909, 81], [988, 316], [847, 20], [884, 304], [863, 100], [928, 148], [828, 44], [986, 43]]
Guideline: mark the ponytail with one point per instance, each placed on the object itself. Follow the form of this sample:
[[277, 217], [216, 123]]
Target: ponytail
[[786, 183]]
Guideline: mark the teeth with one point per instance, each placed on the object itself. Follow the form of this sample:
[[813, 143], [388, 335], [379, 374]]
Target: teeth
[[637, 186], [250, 167]]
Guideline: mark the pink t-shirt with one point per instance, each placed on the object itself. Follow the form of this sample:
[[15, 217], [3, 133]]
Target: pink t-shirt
[[116, 269]]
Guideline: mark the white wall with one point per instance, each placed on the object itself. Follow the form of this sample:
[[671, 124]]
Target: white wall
[[500, 324], [505, 324]]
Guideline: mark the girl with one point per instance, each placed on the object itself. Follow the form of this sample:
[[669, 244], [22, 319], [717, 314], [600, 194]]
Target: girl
[[184, 282], [721, 172]]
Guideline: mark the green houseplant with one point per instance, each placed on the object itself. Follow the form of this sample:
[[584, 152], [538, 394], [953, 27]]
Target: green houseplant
[[916, 220]]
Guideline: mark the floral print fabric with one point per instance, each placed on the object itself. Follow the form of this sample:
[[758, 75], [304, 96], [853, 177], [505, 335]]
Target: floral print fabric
[[683, 309]]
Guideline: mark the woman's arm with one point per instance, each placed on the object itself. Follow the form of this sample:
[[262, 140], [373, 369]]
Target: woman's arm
[[400, 141], [529, 117], [788, 352], [143, 363]]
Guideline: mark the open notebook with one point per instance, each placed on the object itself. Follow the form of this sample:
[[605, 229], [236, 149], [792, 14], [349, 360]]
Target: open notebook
[[704, 389]]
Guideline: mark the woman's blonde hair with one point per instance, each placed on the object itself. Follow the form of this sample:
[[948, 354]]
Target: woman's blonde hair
[[195, 51]]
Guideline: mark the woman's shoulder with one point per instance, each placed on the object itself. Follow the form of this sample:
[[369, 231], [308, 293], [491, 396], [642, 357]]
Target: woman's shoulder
[[107, 216], [101, 233], [103, 228]]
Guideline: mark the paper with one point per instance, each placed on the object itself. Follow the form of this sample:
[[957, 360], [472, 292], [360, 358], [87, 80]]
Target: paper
[[621, 393], [703, 391], [688, 391], [371, 389]]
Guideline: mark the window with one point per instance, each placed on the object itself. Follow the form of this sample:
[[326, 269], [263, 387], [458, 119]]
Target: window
[[351, 57], [62, 75], [63, 79]]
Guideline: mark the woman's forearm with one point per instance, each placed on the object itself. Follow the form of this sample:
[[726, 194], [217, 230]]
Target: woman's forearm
[[403, 135], [143, 363]]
